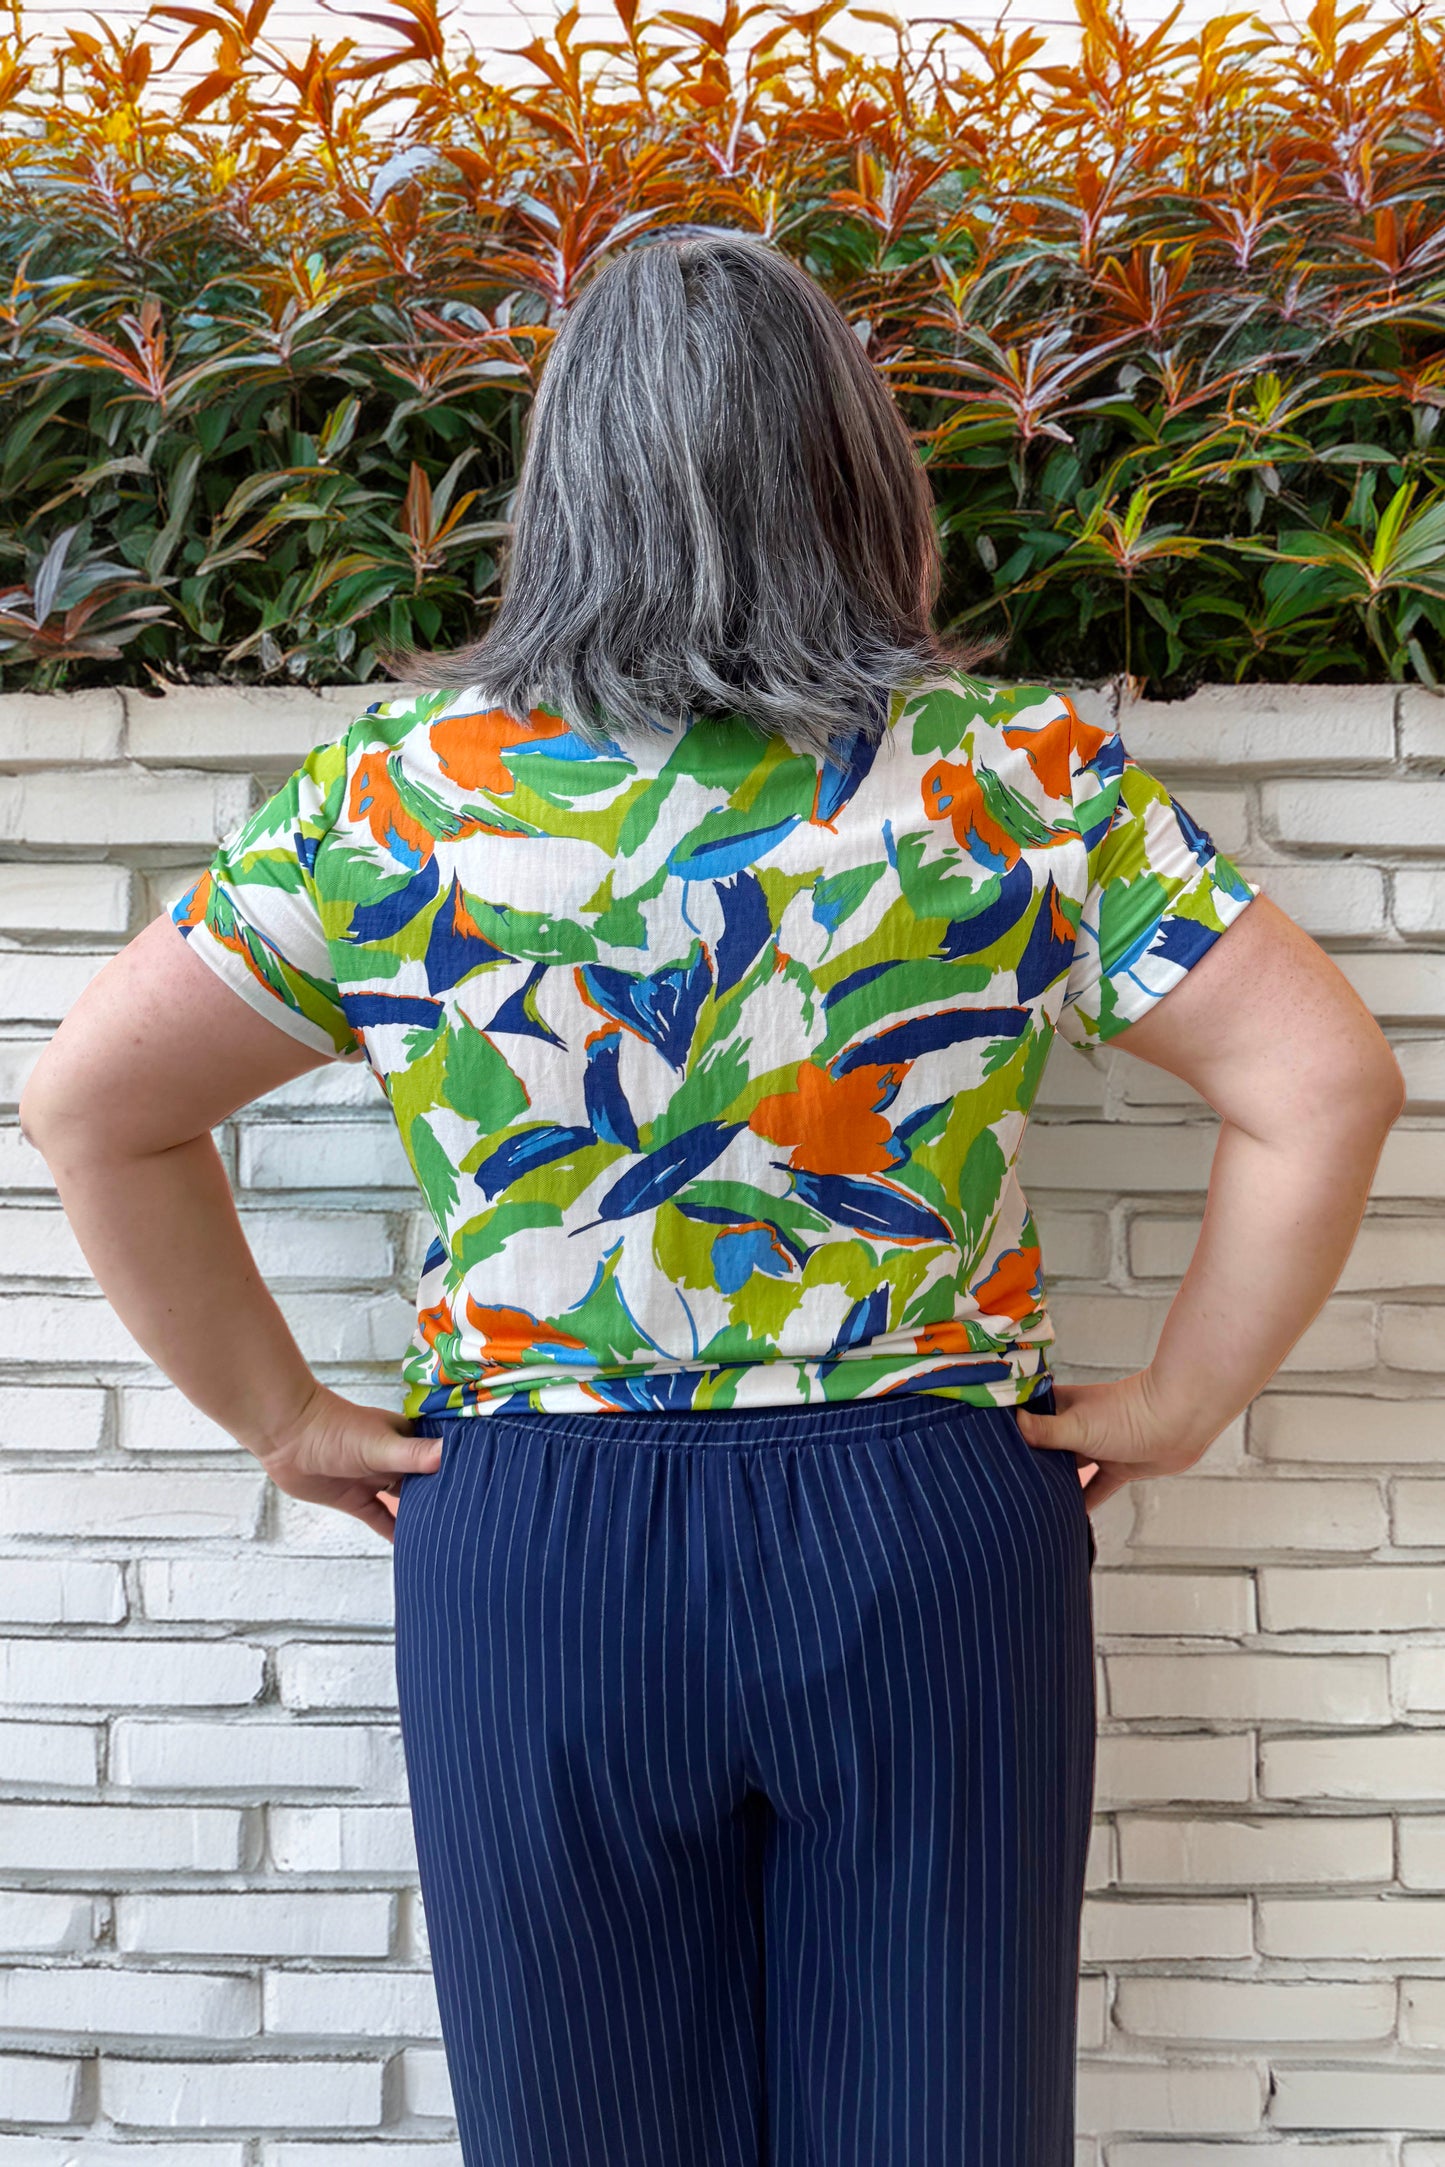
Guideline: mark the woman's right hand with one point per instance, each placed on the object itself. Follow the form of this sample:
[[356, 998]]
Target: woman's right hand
[[1120, 1430]]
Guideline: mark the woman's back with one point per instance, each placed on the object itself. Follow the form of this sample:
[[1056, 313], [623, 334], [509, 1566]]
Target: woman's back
[[713, 1061]]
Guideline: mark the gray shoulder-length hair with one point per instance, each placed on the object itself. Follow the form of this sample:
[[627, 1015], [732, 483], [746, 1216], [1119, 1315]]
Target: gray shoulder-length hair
[[720, 512]]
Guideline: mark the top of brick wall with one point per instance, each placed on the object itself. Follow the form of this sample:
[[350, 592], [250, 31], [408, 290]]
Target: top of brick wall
[[272, 728]]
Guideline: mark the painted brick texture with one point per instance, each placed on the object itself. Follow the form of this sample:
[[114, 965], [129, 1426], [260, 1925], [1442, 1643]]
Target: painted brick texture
[[212, 1947]]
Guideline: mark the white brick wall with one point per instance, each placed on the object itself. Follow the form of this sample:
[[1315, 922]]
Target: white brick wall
[[215, 1946]]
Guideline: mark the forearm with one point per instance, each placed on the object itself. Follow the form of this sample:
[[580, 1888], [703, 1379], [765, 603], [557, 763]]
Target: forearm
[[1279, 1223], [161, 1234]]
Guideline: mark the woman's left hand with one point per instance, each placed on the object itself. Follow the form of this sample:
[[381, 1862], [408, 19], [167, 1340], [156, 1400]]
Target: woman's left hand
[[350, 1457]]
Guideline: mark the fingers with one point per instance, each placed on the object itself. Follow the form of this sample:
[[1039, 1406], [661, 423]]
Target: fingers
[[375, 1514], [402, 1455], [1065, 1431]]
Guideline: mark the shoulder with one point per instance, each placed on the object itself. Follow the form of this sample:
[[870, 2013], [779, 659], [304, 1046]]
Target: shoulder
[[1048, 751]]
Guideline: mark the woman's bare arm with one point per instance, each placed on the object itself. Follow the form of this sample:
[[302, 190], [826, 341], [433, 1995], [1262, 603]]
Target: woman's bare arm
[[121, 1105], [1268, 1030]]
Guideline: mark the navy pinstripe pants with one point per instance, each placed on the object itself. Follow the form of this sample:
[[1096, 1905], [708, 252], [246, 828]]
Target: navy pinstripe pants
[[751, 1766]]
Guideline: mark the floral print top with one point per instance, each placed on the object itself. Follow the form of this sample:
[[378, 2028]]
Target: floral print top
[[712, 1061]]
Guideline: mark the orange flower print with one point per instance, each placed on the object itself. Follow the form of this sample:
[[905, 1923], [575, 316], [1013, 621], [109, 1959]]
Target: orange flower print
[[951, 792], [470, 747], [1047, 747], [510, 1336], [1014, 1287], [375, 800], [832, 1122]]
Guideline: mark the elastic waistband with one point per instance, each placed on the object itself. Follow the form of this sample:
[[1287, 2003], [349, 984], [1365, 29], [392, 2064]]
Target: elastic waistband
[[739, 1426]]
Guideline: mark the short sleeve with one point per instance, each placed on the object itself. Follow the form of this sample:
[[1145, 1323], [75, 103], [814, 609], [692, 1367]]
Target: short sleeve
[[1160, 893], [255, 914]]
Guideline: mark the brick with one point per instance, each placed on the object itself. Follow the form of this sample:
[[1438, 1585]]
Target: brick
[[38, 2087], [1072, 1079], [1421, 1838], [342, 1839], [1403, 988], [323, 1155], [266, 1756], [1252, 1515], [1138, 1931], [18, 1057], [239, 726], [349, 1327], [1345, 1430], [1422, 729], [61, 1327], [1387, 1253], [1422, 1064], [124, 1671], [108, 2002], [1412, 1336], [38, 1921], [1418, 898], [1363, 2098], [37, 986], [1254, 2011], [1332, 902], [393, 2152], [1422, 2012], [50, 1417], [1263, 726], [21, 1166], [263, 1590], [61, 1591], [390, 2005], [37, 1242], [99, 2152], [1387, 1765], [337, 1674], [126, 807], [1210, 1605], [1352, 813], [1076, 1244], [321, 1531], [1118, 1157], [1411, 1165], [58, 1753], [1227, 2097], [1279, 2153], [1344, 1929], [120, 1839], [350, 1247], [1417, 1505], [75, 898], [1153, 1771], [1419, 1680], [1223, 1852], [334, 1086], [1091, 2021], [244, 2095], [1108, 1331], [425, 2084], [1351, 1598], [306, 1923], [51, 729], [164, 1505], [1245, 1688], [157, 1418]]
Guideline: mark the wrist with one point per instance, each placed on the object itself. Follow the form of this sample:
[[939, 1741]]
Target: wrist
[[285, 1424], [1180, 1412]]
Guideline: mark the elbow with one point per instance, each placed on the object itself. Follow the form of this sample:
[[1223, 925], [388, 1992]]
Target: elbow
[[1370, 1092]]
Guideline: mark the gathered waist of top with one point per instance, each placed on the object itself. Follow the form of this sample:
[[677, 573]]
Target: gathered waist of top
[[763, 1425]]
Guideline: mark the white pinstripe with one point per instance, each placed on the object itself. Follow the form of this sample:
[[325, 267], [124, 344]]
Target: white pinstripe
[[848, 1708]]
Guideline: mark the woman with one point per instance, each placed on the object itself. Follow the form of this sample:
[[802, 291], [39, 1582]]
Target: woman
[[708, 939]]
